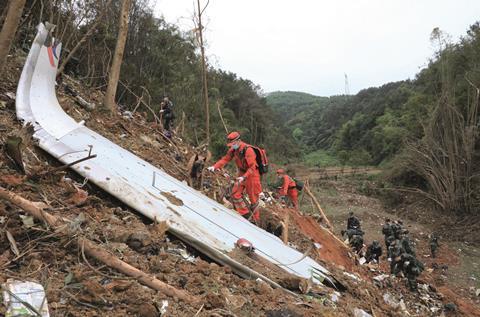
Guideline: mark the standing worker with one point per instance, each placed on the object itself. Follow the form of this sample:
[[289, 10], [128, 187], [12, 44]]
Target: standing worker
[[287, 188], [352, 221], [387, 232], [434, 244], [248, 178], [166, 112]]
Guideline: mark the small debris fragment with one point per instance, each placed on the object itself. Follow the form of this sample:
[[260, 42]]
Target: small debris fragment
[[360, 313], [352, 276], [450, 307], [244, 244], [163, 309], [13, 148], [335, 296], [27, 221], [79, 197], [85, 104], [24, 299]]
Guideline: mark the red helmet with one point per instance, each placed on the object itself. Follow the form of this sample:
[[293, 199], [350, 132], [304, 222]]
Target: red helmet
[[233, 136], [244, 244], [280, 171]]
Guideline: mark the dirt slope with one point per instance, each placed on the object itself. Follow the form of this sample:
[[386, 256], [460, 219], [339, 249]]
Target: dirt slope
[[80, 286]]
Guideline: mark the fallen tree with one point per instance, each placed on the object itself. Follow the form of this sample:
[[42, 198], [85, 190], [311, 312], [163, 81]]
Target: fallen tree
[[95, 251]]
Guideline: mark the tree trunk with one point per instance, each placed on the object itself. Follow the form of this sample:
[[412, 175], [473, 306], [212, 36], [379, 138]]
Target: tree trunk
[[84, 38], [114, 74], [9, 28], [96, 251], [204, 72]]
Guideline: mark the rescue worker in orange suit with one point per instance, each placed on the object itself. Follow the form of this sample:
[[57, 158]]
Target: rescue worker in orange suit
[[248, 178], [287, 188]]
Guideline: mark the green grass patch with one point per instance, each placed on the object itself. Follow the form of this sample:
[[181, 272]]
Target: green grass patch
[[321, 158]]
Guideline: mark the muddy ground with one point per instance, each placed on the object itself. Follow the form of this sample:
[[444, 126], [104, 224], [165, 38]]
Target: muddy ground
[[77, 285], [457, 264]]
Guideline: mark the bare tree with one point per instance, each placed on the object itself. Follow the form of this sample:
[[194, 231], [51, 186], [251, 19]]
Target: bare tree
[[9, 28], [204, 68], [114, 73], [92, 28]]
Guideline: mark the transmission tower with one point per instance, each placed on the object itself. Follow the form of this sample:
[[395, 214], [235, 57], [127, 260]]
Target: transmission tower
[[347, 87]]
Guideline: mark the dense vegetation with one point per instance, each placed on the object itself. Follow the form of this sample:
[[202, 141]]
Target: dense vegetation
[[159, 59], [427, 128], [372, 126]]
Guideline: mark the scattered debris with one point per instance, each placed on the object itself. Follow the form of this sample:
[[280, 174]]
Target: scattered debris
[[10, 95], [450, 307], [97, 252], [352, 276], [14, 151], [360, 313], [24, 299], [163, 309], [244, 244], [13, 243], [87, 105]]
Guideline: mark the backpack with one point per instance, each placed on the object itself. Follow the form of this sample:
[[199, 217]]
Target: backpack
[[299, 184], [261, 158]]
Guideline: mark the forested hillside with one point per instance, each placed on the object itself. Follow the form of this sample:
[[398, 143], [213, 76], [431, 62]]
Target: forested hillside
[[373, 126], [159, 60]]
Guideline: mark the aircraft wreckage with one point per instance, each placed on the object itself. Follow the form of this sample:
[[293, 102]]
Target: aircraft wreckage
[[199, 221]]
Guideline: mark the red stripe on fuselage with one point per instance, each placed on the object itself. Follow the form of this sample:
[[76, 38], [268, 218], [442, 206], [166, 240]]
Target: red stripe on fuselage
[[50, 56]]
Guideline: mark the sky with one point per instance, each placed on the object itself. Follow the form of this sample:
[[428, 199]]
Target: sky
[[308, 45]]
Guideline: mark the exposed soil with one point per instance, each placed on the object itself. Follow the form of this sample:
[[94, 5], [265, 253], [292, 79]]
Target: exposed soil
[[459, 259], [80, 286]]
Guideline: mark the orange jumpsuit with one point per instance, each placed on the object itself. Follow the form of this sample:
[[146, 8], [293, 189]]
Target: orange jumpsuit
[[289, 189], [246, 162]]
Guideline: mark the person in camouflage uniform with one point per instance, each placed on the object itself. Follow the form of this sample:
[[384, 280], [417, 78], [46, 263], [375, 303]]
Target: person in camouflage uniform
[[356, 242], [397, 227], [387, 231], [374, 251], [412, 268], [407, 243], [395, 252], [352, 221], [433, 245], [352, 232]]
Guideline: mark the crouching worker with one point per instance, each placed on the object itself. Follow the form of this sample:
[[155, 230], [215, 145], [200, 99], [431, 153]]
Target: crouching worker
[[374, 251], [248, 178], [287, 188]]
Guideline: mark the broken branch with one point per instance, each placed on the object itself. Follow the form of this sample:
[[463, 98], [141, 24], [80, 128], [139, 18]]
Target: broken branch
[[66, 166], [97, 252], [317, 204]]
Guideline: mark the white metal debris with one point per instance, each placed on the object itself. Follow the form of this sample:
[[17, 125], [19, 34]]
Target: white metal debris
[[140, 185], [24, 299]]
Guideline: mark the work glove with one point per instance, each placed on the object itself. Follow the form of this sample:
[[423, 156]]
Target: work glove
[[240, 179], [162, 111], [211, 168]]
